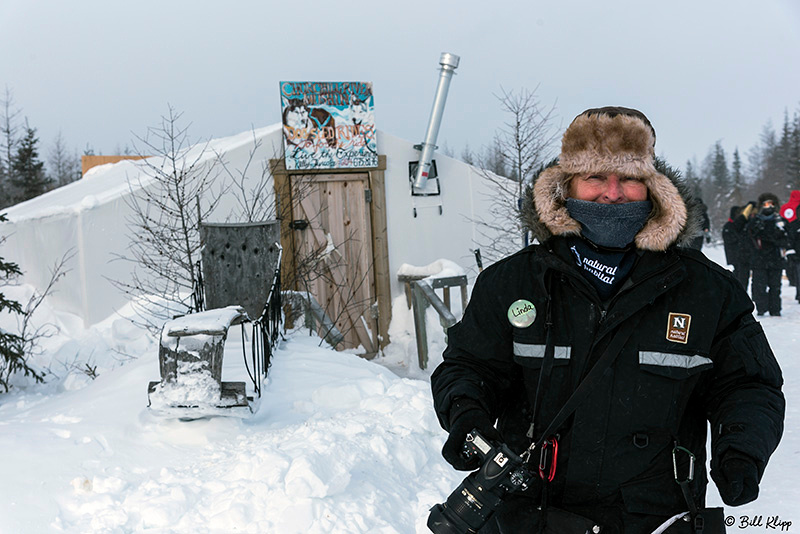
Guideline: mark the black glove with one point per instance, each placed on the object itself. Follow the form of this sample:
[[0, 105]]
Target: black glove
[[467, 415], [737, 479]]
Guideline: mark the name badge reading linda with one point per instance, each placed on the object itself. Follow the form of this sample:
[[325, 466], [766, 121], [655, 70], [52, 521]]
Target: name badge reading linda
[[522, 313]]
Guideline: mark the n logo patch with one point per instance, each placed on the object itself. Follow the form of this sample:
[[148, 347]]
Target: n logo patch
[[678, 327]]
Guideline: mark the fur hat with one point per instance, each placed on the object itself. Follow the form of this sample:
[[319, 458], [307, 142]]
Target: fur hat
[[621, 141], [763, 197]]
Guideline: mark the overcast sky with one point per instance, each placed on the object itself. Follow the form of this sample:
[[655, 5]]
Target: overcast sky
[[701, 70]]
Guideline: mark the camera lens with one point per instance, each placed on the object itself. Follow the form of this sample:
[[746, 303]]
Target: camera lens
[[438, 522], [466, 510]]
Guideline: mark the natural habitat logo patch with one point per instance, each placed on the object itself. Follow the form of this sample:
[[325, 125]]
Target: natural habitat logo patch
[[604, 273], [678, 327]]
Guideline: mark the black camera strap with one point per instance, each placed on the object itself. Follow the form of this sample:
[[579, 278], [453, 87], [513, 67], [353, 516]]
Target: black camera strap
[[549, 355], [586, 385]]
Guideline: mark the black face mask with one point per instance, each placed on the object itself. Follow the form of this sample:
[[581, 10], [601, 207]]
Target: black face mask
[[609, 225], [767, 211]]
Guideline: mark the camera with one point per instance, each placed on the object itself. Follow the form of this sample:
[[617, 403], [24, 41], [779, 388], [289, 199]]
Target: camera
[[473, 502]]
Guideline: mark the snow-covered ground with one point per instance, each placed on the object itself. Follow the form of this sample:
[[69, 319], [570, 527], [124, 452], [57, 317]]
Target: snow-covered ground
[[339, 444]]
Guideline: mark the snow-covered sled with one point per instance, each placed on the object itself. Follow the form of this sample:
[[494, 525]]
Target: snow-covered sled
[[239, 279], [190, 358]]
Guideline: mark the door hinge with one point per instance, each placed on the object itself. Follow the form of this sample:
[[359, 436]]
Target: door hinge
[[368, 195]]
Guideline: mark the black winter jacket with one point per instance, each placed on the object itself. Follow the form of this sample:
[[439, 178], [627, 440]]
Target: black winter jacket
[[615, 454], [736, 243], [793, 234], [768, 237]]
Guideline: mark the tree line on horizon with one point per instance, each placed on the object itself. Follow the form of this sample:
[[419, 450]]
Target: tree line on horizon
[[773, 165], [24, 174]]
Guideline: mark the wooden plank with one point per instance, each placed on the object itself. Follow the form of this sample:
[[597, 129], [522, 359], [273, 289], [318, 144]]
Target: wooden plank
[[350, 307], [346, 304], [380, 250], [362, 252], [311, 207], [344, 260], [87, 162], [283, 208], [341, 178], [338, 217], [366, 257]]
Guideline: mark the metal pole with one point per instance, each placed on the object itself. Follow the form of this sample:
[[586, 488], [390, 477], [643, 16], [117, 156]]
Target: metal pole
[[449, 63]]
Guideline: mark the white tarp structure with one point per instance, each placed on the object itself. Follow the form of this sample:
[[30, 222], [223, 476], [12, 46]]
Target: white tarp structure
[[88, 218]]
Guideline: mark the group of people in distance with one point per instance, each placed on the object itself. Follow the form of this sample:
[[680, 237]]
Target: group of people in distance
[[763, 238]]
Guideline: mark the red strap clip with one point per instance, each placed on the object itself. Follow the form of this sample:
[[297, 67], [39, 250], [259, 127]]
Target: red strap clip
[[548, 457]]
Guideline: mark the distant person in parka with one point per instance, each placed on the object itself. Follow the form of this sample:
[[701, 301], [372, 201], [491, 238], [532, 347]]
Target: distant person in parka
[[611, 284], [770, 241], [736, 253], [697, 242]]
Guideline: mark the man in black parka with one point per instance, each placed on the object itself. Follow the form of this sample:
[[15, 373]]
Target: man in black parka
[[611, 221], [737, 245], [766, 232]]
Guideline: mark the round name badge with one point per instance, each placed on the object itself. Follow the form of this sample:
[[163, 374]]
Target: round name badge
[[522, 313]]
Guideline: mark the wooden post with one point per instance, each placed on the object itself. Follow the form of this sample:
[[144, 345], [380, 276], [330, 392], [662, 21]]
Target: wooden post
[[380, 250], [420, 304]]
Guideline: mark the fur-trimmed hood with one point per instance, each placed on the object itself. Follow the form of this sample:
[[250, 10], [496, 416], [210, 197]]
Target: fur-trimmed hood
[[622, 141]]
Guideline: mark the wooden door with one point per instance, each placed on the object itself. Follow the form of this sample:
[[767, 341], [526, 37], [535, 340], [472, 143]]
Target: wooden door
[[333, 251]]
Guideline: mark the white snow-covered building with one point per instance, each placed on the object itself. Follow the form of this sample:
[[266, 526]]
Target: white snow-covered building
[[392, 227]]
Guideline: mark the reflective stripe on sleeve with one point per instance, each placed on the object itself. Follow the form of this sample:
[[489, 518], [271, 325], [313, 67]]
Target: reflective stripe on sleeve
[[527, 350], [666, 359]]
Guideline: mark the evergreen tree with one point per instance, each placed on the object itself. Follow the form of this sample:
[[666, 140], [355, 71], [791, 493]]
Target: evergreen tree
[[720, 175], [692, 179], [494, 161], [3, 179], [64, 168], [793, 165], [467, 156], [784, 159], [29, 177], [12, 353], [717, 183], [8, 143], [773, 174], [737, 179], [760, 157]]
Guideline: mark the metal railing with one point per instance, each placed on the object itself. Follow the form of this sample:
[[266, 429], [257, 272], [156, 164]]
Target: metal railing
[[314, 315], [266, 329]]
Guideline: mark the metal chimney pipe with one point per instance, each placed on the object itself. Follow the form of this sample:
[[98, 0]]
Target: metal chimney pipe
[[449, 63]]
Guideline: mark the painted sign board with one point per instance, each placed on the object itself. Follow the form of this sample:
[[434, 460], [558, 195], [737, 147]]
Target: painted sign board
[[328, 125]]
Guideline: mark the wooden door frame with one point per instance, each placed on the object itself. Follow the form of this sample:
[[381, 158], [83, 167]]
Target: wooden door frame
[[380, 245]]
